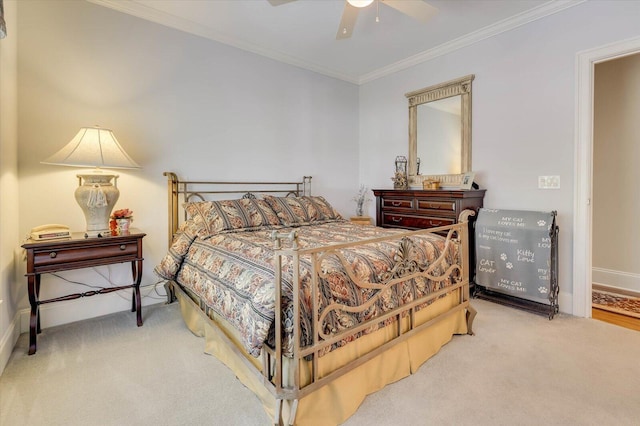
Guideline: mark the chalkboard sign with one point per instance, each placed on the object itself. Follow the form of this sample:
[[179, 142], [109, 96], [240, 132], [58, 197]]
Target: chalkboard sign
[[515, 253]]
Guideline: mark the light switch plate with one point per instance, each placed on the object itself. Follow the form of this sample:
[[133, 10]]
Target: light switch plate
[[549, 182]]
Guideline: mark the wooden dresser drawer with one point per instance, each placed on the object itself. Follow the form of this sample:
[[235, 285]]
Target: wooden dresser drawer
[[437, 205], [418, 222], [397, 203], [54, 256]]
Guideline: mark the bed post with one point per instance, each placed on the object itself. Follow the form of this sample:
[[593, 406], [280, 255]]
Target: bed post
[[465, 237], [278, 376], [306, 185], [172, 189]]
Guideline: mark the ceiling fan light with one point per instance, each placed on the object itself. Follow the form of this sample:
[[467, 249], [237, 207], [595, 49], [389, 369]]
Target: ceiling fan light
[[359, 3]]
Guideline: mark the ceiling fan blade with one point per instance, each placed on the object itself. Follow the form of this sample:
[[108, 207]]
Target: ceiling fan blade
[[417, 9], [348, 21], [279, 2]]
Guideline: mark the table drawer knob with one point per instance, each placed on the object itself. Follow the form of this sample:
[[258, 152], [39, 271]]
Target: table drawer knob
[[123, 246], [53, 254]]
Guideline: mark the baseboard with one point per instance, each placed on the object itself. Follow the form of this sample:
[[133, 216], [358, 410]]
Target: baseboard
[[8, 341], [565, 302], [616, 279], [616, 290]]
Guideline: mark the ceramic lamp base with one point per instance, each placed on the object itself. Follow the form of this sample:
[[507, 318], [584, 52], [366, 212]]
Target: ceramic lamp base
[[97, 196]]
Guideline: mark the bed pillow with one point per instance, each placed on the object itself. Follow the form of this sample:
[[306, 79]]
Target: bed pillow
[[325, 209], [295, 211], [215, 217]]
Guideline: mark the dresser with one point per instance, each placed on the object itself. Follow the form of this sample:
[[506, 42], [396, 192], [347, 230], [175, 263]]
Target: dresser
[[421, 209]]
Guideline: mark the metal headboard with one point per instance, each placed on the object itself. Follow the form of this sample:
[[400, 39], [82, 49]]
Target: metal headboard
[[181, 191]]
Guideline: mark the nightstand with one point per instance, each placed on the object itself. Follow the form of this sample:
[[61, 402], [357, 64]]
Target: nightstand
[[361, 220], [76, 253]]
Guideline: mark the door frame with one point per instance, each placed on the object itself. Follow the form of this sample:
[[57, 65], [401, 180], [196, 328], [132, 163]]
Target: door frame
[[583, 165]]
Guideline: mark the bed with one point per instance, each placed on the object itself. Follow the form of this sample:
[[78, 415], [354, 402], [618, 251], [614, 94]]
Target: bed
[[312, 312]]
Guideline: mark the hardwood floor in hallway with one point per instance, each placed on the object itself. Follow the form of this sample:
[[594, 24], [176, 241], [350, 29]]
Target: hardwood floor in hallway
[[615, 318]]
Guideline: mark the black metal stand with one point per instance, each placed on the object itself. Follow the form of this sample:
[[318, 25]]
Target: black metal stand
[[515, 302]]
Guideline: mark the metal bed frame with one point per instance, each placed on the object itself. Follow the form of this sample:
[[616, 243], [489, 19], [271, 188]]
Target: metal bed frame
[[286, 245]]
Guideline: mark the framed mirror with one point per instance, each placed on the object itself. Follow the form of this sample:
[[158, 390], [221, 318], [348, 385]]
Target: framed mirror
[[440, 132]]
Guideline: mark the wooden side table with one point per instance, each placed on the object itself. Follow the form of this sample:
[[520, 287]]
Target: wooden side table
[[77, 253], [361, 220]]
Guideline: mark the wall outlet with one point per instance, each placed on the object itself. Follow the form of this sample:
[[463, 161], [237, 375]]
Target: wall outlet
[[548, 182]]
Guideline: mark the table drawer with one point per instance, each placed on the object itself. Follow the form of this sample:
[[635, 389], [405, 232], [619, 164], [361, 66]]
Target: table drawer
[[419, 222], [397, 203], [436, 205], [128, 250]]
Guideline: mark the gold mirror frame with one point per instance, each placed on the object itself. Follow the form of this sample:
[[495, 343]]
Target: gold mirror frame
[[460, 86]]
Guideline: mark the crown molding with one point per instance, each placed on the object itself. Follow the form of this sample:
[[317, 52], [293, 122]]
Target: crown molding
[[489, 31], [141, 11]]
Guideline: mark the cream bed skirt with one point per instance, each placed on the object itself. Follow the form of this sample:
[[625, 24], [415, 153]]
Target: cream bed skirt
[[336, 402]]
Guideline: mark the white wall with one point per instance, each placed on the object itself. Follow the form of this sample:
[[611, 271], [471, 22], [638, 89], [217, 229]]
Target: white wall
[[204, 110], [616, 152], [8, 184], [176, 102], [523, 112]]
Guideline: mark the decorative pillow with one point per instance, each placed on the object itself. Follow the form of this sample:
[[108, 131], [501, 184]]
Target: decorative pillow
[[247, 214], [295, 211], [325, 209]]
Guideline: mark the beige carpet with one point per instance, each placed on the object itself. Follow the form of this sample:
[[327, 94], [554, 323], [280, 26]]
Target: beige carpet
[[519, 369]]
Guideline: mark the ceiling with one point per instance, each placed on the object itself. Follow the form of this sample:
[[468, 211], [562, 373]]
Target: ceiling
[[303, 32]]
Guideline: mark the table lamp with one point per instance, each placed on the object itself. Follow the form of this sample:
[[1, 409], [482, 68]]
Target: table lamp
[[96, 194]]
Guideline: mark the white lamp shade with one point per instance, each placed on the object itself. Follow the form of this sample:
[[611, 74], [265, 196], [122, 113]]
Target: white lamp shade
[[93, 147], [96, 195]]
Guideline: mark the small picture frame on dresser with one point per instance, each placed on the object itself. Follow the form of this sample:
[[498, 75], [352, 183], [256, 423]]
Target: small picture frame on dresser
[[467, 180]]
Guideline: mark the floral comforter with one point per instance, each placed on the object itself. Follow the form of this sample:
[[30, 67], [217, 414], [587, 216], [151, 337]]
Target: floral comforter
[[233, 274]]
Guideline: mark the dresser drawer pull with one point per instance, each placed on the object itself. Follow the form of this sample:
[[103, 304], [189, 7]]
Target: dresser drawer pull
[[53, 254], [123, 246], [396, 219], [396, 203]]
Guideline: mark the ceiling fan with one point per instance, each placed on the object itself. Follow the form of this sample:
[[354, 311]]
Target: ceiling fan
[[416, 9]]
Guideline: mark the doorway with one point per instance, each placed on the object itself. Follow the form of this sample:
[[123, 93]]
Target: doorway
[[615, 273], [583, 215]]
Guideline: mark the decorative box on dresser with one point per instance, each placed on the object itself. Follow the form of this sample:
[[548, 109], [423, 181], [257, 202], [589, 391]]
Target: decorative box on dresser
[[421, 209]]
